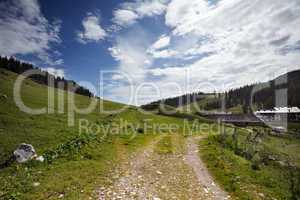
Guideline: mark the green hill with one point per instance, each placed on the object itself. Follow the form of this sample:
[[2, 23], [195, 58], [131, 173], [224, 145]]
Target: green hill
[[78, 164], [42, 77], [238, 100], [75, 163]]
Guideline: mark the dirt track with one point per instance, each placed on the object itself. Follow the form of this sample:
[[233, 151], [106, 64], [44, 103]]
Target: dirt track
[[151, 175]]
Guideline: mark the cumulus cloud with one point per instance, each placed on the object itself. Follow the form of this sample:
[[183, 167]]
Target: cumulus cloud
[[24, 30], [124, 17], [149, 7], [130, 12], [235, 42], [130, 51], [217, 46], [178, 12], [92, 30]]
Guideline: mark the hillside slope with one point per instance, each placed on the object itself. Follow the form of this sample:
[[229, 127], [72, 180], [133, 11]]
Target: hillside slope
[[75, 163], [238, 100], [151, 159]]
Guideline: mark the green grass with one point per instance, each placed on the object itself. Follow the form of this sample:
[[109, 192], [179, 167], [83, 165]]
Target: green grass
[[294, 127], [201, 106], [197, 106], [236, 109], [237, 176], [285, 148], [78, 170], [75, 176], [164, 146], [170, 144], [43, 131]]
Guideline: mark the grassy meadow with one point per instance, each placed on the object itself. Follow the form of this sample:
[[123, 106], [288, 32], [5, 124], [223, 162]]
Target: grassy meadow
[[75, 163], [78, 163], [266, 167]]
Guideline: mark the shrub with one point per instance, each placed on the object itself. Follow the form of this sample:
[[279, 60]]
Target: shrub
[[70, 148], [140, 130]]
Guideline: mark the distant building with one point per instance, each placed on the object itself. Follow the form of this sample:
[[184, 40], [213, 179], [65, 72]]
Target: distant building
[[210, 113], [279, 114], [236, 119], [278, 118]]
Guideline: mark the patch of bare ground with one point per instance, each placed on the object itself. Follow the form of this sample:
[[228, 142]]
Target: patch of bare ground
[[155, 176]]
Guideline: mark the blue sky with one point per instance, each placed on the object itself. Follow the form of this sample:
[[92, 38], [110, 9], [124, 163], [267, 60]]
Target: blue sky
[[162, 48]]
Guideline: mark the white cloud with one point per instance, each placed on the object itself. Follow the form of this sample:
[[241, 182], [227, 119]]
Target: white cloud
[[24, 30], [164, 53], [237, 42], [180, 12], [133, 60], [124, 17], [150, 7], [54, 71], [157, 49], [130, 51], [162, 42], [216, 46], [130, 12], [92, 29], [117, 77]]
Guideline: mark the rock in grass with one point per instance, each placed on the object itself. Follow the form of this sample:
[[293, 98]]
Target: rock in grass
[[261, 195], [36, 184], [271, 158], [40, 158], [24, 153], [3, 96]]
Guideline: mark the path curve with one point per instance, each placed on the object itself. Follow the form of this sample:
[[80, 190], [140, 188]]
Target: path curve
[[205, 179]]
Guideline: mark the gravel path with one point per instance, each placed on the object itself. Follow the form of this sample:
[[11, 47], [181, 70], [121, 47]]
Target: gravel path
[[205, 179], [152, 176]]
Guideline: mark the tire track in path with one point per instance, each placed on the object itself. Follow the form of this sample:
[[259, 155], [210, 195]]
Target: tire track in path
[[193, 159]]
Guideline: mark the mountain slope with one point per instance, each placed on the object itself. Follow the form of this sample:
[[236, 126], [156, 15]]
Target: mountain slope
[[42, 77], [238, 100]]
